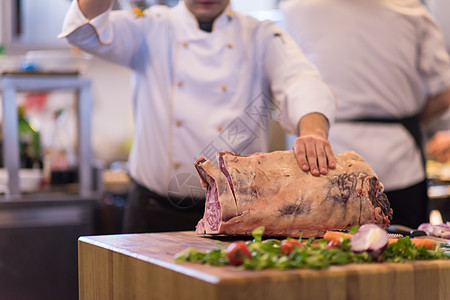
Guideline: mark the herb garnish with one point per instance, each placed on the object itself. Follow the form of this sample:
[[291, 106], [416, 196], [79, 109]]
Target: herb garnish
[[315, 254]]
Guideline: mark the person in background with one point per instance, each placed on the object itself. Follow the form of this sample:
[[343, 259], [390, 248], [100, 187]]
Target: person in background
[[205, 79], [387, 63]]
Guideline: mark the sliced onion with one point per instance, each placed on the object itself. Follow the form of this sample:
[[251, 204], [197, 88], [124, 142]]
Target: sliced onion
[[441, 230], [370, 238]]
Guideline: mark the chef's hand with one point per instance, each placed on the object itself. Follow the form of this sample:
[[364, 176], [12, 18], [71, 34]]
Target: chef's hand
[[311, 148], [439, 146], [93, 8]]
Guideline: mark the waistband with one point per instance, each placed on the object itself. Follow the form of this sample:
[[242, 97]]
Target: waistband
[[410, 123]]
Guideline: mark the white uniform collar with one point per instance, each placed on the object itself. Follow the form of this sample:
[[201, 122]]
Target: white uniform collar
[[187, 24], [407, 7]]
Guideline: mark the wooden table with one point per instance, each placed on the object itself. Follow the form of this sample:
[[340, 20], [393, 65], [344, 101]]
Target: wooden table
[[141, 266]]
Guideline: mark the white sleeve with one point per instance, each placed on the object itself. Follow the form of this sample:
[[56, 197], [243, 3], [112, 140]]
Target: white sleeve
[[295, 83], [434, 62], [114, 36], [75, 19]]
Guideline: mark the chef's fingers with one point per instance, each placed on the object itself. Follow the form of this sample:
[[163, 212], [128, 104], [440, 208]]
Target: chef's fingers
[[321, 157], [300, 154], [311, 154], [330, 156]]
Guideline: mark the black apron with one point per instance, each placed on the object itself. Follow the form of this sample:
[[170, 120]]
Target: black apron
[[411, 124], [410, 205]]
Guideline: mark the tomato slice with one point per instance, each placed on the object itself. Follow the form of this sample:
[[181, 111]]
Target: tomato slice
[[288, 245], [237, 251]]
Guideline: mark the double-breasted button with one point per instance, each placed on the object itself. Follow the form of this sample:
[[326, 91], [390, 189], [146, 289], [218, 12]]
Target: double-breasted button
[[176, 165], [178, 123], [185, 44], [180, 83], [230, 46], [219, 128], [224, 88]]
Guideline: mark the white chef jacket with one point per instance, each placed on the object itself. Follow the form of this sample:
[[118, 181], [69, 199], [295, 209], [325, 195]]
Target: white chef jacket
[[196, 93], [382, 59]]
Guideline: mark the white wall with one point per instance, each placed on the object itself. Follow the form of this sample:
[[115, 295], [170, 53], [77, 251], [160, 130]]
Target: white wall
[[112, 126], [42, 21], [4, 20], [440, 9]]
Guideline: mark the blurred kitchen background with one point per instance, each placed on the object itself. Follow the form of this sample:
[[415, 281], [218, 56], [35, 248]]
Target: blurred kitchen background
[[40, 226]]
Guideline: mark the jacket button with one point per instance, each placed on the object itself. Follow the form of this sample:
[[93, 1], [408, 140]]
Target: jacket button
[[180, 83], [219, 128], [229, 46], [224, 88], [185, 44], [178, 123], [176, 165]]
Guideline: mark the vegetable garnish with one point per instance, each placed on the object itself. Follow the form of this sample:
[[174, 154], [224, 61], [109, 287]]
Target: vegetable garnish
[[290, 244], [369, 238], [237, 252], [318, 254]]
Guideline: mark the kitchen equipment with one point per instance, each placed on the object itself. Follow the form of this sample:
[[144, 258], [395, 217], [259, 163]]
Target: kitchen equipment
[[15, 82], [394, 235], [30, 180], [414, 233], [56, 60], [38, 246]]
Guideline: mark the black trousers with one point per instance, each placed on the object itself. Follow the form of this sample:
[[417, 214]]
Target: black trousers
[[147, 211], [410, 205]]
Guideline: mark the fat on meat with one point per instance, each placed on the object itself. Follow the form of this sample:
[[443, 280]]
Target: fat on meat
[[270, 190]]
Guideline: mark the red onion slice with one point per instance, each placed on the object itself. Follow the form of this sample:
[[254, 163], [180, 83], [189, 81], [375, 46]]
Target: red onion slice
[[440, 230], [370, 238]]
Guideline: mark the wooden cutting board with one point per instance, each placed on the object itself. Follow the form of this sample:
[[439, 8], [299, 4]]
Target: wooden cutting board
[[141, 266]]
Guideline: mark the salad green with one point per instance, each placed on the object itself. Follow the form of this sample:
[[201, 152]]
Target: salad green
[[316, 254]]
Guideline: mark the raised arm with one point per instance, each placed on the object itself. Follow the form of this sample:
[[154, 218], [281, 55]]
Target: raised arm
[[93, 8], [117, 36]]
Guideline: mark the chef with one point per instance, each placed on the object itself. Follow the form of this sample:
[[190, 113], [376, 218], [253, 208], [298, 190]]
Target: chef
[[387, 63], [205, 79]]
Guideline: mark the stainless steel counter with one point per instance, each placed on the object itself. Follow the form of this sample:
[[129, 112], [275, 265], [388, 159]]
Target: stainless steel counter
[[38, 245]]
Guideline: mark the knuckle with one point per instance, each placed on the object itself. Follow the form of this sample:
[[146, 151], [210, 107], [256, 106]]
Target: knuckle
[[307, 138]]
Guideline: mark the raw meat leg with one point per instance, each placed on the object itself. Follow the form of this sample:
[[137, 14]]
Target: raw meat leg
[[270, 189]]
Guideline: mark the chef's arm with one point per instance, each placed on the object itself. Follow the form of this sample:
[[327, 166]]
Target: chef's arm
[[435, 106], [93, 8], [305, 103], [439, 146], [90, 26], [312, 149]]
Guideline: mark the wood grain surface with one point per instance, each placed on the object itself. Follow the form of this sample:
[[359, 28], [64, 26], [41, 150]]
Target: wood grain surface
[[141, 266]]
